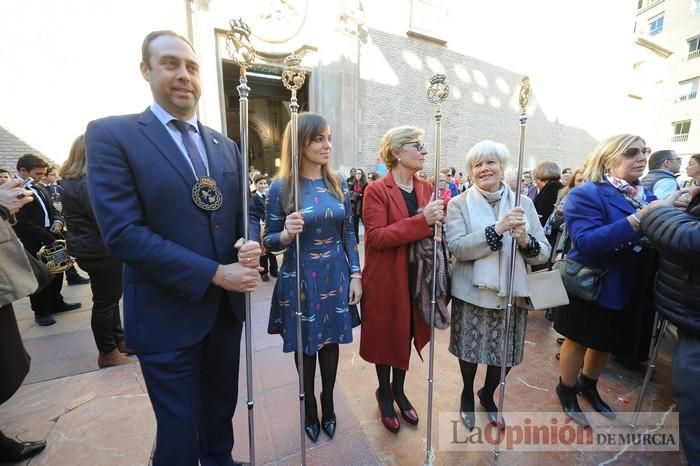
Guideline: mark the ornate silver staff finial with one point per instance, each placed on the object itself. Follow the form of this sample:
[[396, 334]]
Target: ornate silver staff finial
[[438, 90], [525, 91], [238, 44], [293, 75]]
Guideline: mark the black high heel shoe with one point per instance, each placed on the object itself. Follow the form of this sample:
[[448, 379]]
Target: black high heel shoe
[[466, 412], [328, 420], [491, 409], [312, 428]]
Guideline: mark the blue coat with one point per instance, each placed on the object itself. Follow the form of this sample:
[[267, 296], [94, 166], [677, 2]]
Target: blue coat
[[140, 187], [596, 218]]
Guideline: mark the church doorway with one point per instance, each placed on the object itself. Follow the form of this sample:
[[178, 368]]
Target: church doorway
[[268, 112]]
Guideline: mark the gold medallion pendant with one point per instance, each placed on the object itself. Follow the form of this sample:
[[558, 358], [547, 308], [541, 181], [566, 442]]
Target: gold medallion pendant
[[206, 194]]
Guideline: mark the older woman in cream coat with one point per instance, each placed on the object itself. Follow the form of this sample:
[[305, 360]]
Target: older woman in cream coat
[[480, 224]]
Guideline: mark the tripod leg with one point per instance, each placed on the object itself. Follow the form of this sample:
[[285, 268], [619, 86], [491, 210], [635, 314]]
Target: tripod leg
[[650, 369]]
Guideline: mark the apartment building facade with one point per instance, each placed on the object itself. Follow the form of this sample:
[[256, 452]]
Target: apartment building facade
[[666, 74]]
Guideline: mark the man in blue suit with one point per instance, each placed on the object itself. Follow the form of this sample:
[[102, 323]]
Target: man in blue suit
[[167, 195]]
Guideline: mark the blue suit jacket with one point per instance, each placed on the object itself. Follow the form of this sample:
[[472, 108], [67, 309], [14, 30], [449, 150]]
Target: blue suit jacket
[[140, 187], [596, 218]]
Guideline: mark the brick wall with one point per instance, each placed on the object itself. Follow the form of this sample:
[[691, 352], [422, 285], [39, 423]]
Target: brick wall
[[482, 105]]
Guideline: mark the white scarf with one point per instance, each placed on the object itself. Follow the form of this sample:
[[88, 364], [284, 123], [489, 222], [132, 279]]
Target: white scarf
[[491, 272]]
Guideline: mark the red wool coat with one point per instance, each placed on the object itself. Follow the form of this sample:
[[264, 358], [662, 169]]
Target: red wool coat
[[385, 336]]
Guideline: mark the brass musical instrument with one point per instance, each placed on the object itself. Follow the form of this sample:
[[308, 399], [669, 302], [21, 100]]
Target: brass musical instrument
[[56, 257]]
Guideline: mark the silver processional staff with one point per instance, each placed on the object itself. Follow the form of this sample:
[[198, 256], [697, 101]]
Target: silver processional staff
[[293, 78], [523, 99], [241, 51], [437, 94]]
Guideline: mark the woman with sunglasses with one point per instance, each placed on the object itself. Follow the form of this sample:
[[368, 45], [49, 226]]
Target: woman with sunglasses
[[602, 217], [397, 211]]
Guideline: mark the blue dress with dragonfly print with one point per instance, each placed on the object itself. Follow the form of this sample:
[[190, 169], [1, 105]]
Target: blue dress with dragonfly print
[[328, 256]]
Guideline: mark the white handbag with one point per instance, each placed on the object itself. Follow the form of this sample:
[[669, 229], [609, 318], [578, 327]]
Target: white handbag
[[546, 289]]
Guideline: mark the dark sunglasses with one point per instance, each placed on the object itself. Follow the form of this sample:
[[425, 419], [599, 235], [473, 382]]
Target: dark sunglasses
[[417, 144], [634, 151]]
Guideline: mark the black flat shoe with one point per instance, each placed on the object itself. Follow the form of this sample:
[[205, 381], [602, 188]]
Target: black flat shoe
[[45, 320], [22, 451], [312, 430], [64, 306], [569, 404], [78, 280], [491, 409], [588, 388]]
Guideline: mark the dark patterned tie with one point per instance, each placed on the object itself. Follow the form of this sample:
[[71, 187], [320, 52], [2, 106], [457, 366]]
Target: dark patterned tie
[[185, 129]]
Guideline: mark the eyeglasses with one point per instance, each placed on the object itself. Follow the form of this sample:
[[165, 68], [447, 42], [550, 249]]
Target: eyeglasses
[[417, 144], [634, 151]]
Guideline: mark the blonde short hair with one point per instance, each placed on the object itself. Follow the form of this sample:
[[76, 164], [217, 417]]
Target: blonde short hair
[[487, 149], [393, 139], [606, 155], [547, 171]]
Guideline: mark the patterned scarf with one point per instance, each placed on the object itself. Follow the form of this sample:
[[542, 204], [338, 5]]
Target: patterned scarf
[[634, 194]]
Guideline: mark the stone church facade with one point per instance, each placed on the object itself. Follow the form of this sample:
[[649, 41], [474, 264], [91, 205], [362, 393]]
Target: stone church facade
[[367, 71]]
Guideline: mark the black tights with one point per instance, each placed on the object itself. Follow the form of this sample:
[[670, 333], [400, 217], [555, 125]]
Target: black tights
[[493, 378], [328, 363], [393, 389]]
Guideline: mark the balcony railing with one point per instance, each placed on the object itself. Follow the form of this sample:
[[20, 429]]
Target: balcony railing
[[688, 96], [679, 137], [694, 54]]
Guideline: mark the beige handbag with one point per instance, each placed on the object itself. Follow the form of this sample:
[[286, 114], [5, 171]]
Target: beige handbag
[[546, 289], [17, 279]]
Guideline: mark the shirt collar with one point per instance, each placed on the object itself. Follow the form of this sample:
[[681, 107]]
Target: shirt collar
[[28, 182], [164, 117]]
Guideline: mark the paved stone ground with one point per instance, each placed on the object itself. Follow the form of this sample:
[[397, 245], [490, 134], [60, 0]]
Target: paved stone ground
[[103, 417]]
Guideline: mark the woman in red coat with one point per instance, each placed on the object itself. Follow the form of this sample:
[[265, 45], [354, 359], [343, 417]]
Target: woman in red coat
[[397, 212]]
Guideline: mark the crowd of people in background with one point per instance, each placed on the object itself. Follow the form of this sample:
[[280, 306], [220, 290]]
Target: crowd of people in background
[[183, 266]]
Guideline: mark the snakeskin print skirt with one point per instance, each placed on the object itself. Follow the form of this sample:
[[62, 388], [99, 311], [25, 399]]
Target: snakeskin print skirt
[[476, 334]]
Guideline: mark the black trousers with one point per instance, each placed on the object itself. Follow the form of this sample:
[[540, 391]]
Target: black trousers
[[14, 360], [686, 386], [44, 301], [269, 263], [106, 284]]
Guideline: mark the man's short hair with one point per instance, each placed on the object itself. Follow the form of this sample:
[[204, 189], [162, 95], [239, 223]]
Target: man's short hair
[[656, 160], [5, 170], [151, 36], [30, 162]]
